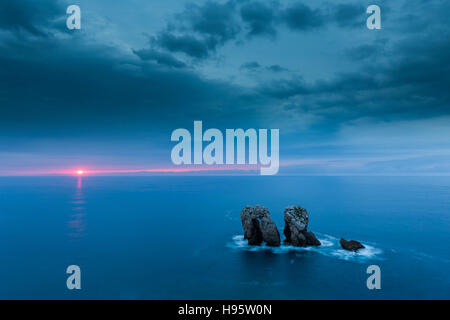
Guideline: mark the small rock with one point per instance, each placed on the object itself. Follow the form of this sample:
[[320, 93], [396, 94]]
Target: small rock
[[259, 226], [351, 245]]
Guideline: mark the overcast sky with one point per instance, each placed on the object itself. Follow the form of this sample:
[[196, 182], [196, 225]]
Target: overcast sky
[[347, 100]]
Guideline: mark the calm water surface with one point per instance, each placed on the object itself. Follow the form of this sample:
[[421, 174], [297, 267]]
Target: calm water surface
[[180, 237]]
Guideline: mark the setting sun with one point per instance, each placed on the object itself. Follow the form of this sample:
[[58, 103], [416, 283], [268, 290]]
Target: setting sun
[[80, 172]]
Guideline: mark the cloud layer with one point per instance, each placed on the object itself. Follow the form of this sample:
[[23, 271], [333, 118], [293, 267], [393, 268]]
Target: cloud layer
[[231, 64]]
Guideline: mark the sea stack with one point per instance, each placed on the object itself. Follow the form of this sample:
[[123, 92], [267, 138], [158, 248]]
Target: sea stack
[[259, 227], [296, 228], [351, 245]]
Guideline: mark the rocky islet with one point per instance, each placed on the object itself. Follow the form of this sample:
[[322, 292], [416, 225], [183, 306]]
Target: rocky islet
[[259, 228]]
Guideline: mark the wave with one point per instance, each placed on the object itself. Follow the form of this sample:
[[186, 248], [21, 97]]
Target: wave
[[330, 248]]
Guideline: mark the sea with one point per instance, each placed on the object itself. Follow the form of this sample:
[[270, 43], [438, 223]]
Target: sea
[[180, 237]]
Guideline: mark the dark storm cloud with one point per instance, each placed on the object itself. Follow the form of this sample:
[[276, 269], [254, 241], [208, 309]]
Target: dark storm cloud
[[115, 89], [212, 20], [350, 15], [252, 66], [276, 68], [301, 17], [72, 86], [259, 18], [200, 30], [83, 89], [398, 78], [285, 88], [159, 57], [28, 16], [412, 83], [190, 45]]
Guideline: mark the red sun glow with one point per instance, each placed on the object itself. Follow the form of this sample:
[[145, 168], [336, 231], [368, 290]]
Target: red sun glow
[[80, 172]]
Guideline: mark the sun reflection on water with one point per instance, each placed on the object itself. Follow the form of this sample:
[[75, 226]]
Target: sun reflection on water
[[77, 222]]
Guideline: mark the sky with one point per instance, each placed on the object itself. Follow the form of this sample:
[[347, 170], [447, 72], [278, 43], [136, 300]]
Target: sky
[[106, 98]]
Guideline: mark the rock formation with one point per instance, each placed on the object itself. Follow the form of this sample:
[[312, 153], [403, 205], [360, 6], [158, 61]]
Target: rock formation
[[351, 245], [296, 228], [259, 226]]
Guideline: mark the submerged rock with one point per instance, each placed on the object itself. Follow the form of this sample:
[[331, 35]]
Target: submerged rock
[[259, 226], [351, 245], [296, 228]]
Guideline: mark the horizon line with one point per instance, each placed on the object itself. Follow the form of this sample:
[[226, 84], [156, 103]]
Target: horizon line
[[196, 173]]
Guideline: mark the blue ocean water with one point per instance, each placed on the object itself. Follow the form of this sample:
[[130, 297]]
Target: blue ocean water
[[175, 237]]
